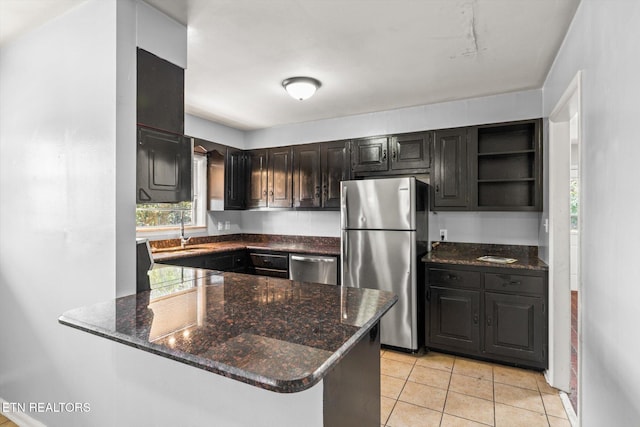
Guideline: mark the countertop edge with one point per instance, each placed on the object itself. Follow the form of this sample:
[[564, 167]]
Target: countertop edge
[[279, 386], [239, 246], [472, 263]]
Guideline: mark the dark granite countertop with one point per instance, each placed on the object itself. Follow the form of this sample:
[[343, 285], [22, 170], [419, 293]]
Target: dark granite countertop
[[468, 254], [170, 249], [272, 333]]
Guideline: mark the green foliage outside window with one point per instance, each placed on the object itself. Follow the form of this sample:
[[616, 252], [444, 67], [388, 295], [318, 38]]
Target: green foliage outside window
[[574, 201], [163, 214]]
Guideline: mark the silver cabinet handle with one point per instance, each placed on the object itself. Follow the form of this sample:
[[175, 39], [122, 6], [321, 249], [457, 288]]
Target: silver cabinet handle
[[312, 259]]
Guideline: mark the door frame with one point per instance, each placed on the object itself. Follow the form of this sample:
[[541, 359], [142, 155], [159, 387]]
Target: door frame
[[569, 105]]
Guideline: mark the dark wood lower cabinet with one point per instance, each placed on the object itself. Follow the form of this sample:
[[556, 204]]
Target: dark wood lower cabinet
[[259, 262], [515, 326], [454, 318], [490, 313], [268, 263], [235, 261]]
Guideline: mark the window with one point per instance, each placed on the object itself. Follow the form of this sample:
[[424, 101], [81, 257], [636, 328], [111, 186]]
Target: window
[[151, 216], [575, 201]]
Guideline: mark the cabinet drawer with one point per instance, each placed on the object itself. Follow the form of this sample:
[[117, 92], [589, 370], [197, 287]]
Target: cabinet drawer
[[514, 283], [454, 278], [271, 272], [278, 262]]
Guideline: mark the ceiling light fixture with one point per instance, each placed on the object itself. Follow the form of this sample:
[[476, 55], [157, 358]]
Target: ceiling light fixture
[[301, 88]]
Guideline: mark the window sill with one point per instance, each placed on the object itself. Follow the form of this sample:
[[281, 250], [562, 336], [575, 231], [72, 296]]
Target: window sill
[[163, 229]]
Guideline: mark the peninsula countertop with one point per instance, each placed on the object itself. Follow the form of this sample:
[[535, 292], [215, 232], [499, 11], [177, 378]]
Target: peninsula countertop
[[275, 334]]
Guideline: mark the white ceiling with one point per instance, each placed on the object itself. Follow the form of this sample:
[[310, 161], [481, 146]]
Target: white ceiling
[[370, 55]]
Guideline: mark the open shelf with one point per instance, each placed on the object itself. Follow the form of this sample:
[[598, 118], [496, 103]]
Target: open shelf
[[507, 161], [506, 194], [505, 153], [506, 138]]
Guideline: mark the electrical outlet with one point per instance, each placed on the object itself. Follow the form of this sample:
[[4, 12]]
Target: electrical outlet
[[443, 234], [227, 225], [220, 226]]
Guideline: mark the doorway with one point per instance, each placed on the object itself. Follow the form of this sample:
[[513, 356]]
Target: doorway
[[564, 244]]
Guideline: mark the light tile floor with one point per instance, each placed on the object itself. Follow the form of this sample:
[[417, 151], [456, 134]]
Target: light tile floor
[[436, 389], [6, 422]]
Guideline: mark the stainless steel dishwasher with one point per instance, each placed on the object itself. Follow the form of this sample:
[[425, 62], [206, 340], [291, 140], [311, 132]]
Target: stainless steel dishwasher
[[313, 268]]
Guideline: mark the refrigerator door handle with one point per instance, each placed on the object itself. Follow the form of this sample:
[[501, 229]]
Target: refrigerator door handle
[[345, 248], [345, 208]]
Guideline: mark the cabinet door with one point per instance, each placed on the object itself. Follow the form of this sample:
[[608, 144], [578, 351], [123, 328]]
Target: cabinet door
[[234, 179], [279, 181], [306, 176], [163, 169], [411, 151], [450, 169], [454, 319], [221, 262], [335, 168], [256, 176], [193, 262], [515, 327], [160, 93], [370, 155]]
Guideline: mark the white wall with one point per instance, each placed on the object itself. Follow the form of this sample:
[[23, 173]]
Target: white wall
[[214, 132], [161, 35], [58, 159], [603, 42], [510, 228], [488, 109], [65, 131]]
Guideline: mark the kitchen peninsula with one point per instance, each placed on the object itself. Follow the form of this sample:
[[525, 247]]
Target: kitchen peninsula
[[269, 333]]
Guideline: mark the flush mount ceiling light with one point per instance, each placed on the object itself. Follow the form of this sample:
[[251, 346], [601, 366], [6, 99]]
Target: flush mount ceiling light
[[301, 88]]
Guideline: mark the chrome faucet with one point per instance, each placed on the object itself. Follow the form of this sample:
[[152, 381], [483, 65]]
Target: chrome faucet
[[183, 240]]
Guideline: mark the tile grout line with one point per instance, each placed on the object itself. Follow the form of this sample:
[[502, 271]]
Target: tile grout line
[[444, 405], [451, 370]]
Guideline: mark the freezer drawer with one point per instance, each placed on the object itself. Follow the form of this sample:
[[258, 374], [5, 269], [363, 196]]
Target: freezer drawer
[[313, 268]]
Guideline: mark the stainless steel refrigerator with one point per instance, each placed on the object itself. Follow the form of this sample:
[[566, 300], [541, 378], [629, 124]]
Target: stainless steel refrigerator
[[384, 232]]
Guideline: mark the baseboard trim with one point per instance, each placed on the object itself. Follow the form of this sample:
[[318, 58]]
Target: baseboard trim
[[20, 418], [568, 408]]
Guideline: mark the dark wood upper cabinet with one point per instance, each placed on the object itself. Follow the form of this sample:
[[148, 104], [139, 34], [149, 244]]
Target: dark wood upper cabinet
[[496, 167], [318, 170], [279, 181], [370, 155], [449, 181], [163, 167], [307, 176], [256, 179], [335, 168], [160, 93], [235, 185], [411, 152]]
